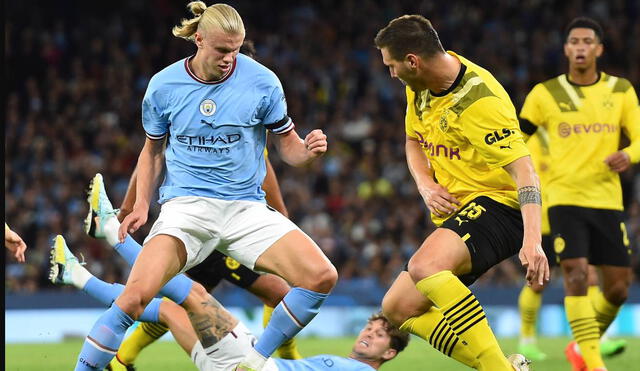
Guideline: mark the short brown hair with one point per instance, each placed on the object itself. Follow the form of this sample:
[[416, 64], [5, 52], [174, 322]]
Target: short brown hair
[[409, 34], [399, 338]]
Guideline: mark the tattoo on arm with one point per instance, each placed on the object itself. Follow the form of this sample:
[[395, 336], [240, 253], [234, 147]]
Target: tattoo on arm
[[212, 323], [529, 195]]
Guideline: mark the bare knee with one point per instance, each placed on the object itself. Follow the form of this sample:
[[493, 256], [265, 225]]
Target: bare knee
[[321, 280], [420, 269], [132, 303], [393, 310], [575, 278]]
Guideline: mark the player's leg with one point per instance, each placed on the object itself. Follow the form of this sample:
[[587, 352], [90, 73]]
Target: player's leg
[[612, 255], [410, 311], [482, 234], [570, 233], [160, 260], [265, 240], [312, 278], [434, 269], [529, 303], [271, 289]]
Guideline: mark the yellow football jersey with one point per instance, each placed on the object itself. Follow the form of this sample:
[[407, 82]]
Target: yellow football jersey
[[584, 125], [539, 147], [468, 133]]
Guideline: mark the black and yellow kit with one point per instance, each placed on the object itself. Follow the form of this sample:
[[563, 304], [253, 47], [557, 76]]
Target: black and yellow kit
[[217, 267], [468, 133], [584, 126]]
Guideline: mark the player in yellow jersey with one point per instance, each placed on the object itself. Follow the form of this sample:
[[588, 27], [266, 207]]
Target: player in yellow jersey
[[469, 161], [584, 113]]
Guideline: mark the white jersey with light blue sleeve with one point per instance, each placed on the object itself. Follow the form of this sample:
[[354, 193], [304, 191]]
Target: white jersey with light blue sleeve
[[323, 362], [215, 131]]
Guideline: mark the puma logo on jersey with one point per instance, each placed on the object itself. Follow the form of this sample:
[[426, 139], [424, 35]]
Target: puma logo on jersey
[[507, 146], [207, 123]]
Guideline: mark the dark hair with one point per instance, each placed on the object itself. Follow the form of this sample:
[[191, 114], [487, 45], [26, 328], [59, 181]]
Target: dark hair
[[399, 338], [248, 49], [409, 34], [584, 22]]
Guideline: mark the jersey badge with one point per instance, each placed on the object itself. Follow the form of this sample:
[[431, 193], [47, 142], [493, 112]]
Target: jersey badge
[[208, 107], [444, 124]]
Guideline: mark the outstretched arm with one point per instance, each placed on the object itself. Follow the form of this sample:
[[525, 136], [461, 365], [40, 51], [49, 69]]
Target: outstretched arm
[[531, 254]]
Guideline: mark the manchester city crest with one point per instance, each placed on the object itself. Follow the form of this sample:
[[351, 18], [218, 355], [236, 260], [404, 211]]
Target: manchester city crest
[[208, 107]]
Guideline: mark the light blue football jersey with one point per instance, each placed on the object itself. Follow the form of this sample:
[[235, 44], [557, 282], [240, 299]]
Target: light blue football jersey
[[323, 362], [216, 130]]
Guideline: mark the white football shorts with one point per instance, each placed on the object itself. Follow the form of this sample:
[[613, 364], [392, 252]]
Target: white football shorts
[[242, 230]]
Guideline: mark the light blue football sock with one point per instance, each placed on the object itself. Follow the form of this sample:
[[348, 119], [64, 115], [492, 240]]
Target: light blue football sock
[[294, 312], [177, 289], [104, 339], [129, 249], [106, 293]]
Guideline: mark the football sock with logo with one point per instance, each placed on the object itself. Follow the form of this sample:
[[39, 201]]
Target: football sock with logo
[[104, 339], [466, 318], [177, 289], [605, 310], [433, 327], [584, 327], [288, 349], [141, 337], [529, 303], [294, 312]]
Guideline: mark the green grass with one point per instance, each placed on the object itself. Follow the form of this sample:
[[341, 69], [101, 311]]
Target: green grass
[[418, 355]]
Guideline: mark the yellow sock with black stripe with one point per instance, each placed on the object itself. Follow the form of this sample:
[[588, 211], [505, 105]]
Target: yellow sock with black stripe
[[466, 318], [529, 303], [433, 327], [288, 349], [605, 311], [141, 337], [584, 327]]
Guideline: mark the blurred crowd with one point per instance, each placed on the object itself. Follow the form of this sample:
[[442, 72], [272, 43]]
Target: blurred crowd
[[75, 76]]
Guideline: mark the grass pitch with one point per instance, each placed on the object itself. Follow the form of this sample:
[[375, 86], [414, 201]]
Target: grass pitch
[[418, 356]]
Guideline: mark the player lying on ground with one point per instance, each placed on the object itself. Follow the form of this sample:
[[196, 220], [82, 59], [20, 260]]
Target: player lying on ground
[[377, 343]]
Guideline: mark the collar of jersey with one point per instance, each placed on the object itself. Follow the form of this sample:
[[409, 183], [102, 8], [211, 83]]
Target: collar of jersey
[[221, 80], [593, 83], [455, 84]]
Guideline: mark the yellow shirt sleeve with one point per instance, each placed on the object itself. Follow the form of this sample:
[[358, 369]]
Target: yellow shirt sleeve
[[492, 128], [410, 118], [631, 124], [531, 109]]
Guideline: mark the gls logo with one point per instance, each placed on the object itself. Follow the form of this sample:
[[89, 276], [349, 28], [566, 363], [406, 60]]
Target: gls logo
[[496, 136]]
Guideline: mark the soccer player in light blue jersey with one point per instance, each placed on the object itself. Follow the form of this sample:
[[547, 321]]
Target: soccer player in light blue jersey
[[378, 342], [205, 118]]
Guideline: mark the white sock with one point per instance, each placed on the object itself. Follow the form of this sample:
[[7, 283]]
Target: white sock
[[79, 276], [254, 359], [110, 229]]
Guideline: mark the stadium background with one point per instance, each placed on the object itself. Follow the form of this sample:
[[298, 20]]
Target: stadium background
[[75, 74]]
